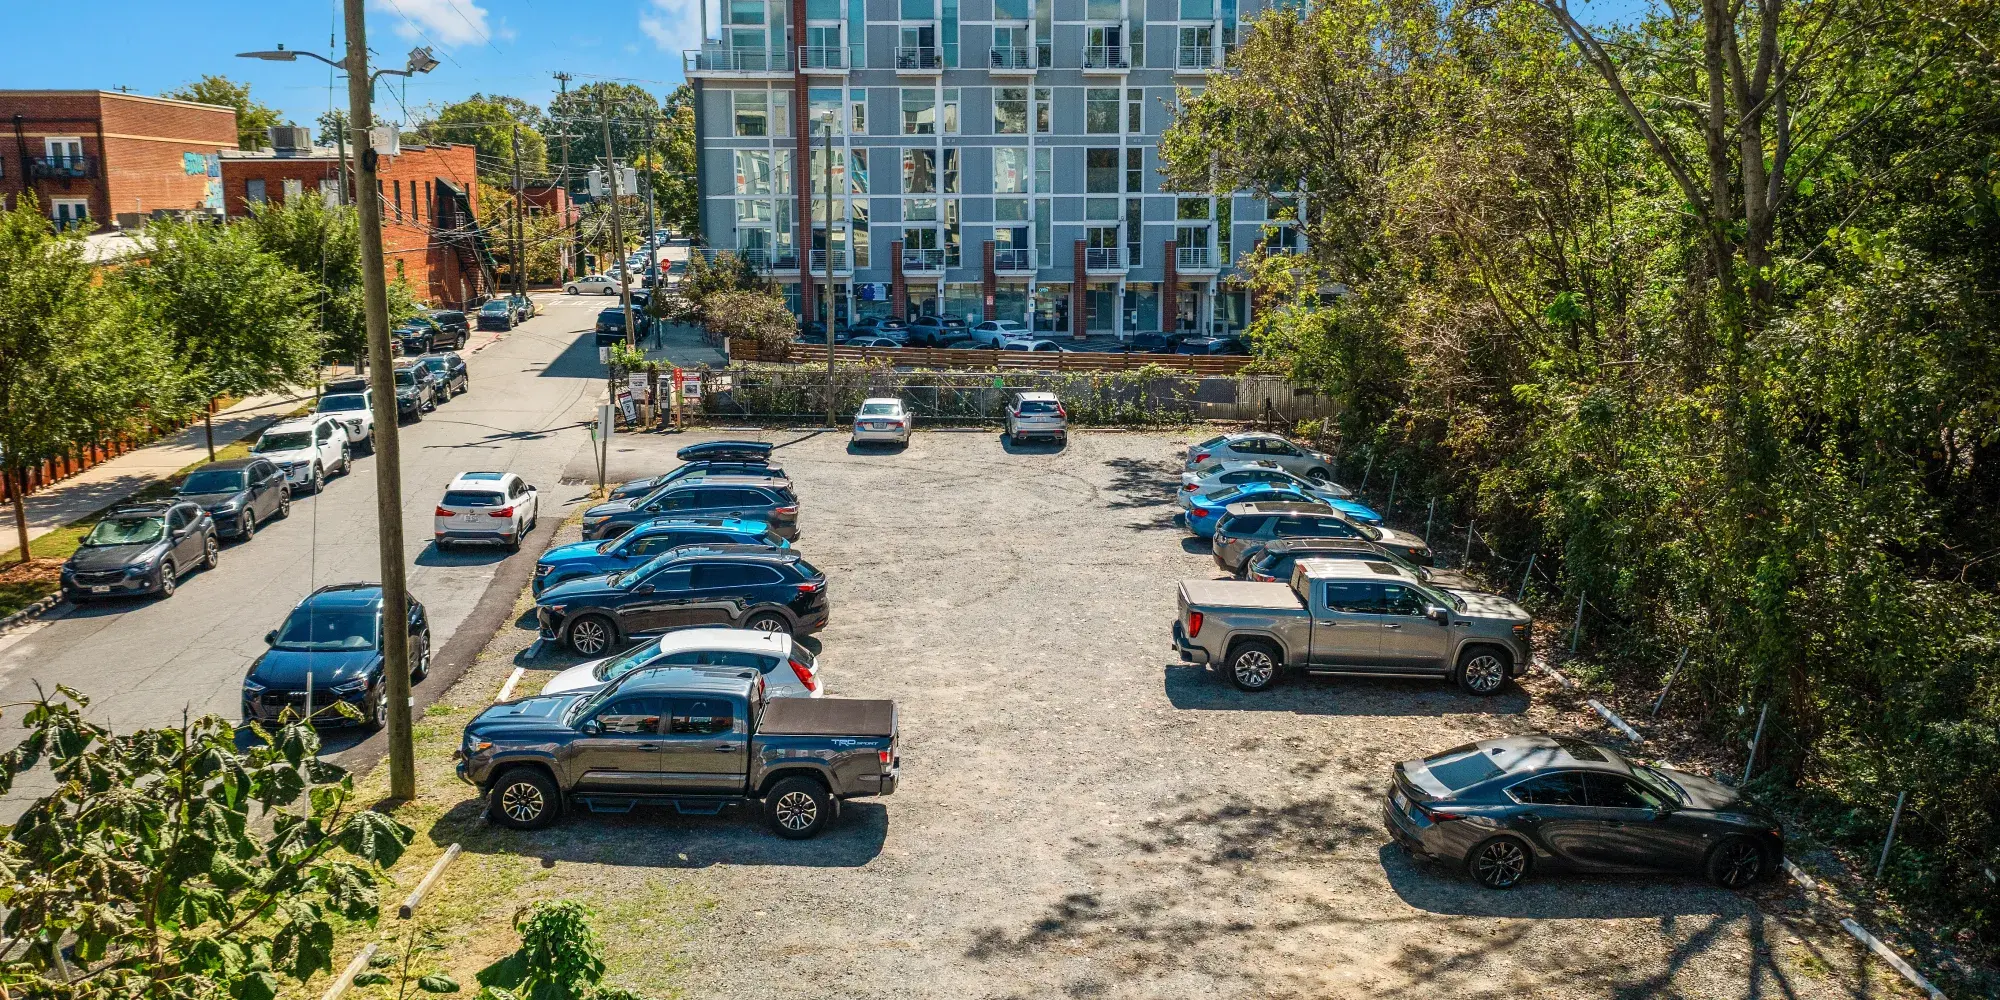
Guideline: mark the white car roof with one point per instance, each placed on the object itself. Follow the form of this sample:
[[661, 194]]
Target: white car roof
[[1353, 569], [481, 480], [735, 640], [305, 423], [882, 399], [1037, 395]]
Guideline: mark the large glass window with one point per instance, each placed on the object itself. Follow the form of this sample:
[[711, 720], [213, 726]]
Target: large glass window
[[1044, 170], [1196, 47], [857, 103], [753, 111], [919, 171], [1044, 122], [820, 102], [1135, 218], [819, 185], [858, 235], [1100, 171], [1010, 170], [1044, 229], [951, 171], [1197, 10], [1100, 110], [951, 233], [1012, 210], [920, 210], [919, 111], [753, 171], [919, 10], [1135, 170], [1135, 111], [857, 175], [781, 112], [950, 111], [1010, 111]]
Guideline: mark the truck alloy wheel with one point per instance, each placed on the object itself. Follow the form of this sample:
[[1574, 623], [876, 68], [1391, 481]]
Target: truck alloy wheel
[[523, 799], [797, 808], [1500, 863], [1254, 666], [1482, 672]]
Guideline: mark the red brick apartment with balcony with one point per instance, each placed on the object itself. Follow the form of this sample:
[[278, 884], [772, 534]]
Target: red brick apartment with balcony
[[431, 235], [95, 156]]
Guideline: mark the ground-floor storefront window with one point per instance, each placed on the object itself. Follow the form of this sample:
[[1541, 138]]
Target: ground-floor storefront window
[[1052, 307]]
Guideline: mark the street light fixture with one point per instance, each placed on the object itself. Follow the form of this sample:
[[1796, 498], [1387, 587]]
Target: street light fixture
[[420, 60]]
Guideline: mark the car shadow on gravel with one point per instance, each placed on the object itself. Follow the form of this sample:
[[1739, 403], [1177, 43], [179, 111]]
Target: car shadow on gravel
[[480, 555], [1032, 447], [1439, 888], [1192, 687], [658, 837]]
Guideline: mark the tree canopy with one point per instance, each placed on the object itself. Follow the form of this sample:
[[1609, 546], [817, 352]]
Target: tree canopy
[[488, 124], [253, 118]]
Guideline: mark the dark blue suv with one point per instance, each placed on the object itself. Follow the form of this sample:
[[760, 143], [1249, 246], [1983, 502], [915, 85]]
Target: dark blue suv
[[645, 542], [330, 649], [753, 497], [742, 586]]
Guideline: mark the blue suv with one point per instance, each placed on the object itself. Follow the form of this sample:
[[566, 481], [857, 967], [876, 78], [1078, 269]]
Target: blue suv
[[635, 547]]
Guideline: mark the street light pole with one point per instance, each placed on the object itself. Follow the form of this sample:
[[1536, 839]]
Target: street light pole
[[388, 450], [826, 121], [617, 231]]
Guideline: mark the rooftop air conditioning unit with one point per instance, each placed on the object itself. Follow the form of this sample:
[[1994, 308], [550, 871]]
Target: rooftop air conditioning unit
[[290, 138]]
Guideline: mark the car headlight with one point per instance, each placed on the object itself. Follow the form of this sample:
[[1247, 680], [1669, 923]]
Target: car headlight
[[250, 686], [592, 522], [227, 508], [1521, 630], [140, 570], [355, 686], [543, 569], [555, 609]]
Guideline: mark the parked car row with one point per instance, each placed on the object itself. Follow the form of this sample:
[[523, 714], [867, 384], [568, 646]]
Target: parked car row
[[711, 688]]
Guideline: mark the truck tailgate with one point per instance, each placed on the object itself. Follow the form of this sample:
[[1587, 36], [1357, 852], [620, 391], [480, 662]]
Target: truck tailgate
[[827, 717], [1243, 594]]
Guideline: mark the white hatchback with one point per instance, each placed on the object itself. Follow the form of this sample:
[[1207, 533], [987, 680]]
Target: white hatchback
[[997, 332], [789, 669], [883, 419], [496, 507], [307, 450]]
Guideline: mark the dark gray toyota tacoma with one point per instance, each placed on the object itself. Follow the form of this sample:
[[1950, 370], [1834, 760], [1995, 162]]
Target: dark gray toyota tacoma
[[695, 739]]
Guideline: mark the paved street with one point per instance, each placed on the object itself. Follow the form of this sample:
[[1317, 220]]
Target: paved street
[[145, 662]]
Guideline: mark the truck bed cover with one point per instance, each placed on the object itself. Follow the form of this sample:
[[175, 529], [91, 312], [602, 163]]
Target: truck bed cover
[[827, 717], [1241, 594]]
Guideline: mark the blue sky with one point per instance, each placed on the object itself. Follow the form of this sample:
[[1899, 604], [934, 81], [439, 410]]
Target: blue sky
[[494, 46]]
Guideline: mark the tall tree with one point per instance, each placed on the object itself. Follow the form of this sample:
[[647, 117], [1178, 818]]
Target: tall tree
[[670, 165], [488, 124], [253, 118], [79, 363], [323, 245], [240, 317], [629, 108]]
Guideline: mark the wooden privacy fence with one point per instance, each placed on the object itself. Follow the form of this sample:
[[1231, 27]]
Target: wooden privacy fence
[[938, 357], [82, 458]]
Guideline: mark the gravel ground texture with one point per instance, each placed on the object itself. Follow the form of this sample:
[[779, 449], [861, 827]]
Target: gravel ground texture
[[1081, 814]]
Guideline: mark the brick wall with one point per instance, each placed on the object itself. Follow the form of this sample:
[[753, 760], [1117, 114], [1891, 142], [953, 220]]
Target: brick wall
[[138, 147]]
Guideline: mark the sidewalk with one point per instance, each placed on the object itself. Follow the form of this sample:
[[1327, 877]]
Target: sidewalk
[[96, 488]]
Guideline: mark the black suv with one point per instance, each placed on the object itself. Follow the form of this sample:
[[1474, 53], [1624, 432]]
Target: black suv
[[453, 330], [239, 494], [141, 548], [742, 586], [332, 641], [450, 371], [1275, 561], [416, 390], [497, 314], [611, 323], [636, 488]]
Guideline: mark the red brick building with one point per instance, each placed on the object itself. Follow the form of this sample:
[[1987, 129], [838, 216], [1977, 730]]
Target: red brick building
[[431, 236], [95, 156]]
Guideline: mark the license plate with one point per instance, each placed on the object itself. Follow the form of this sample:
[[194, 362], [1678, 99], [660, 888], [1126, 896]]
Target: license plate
[[100, 590], [1401, 803]]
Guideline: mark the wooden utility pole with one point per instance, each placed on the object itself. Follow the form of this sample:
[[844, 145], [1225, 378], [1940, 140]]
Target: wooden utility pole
[[562, 83], [520, 234], [617, 231]]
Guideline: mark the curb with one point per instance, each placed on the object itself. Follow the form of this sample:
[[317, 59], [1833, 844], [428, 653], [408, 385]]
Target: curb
[[30, 613]]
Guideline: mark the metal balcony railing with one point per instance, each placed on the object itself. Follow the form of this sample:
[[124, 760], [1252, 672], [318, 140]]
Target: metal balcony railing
[[1018, 60], [818, 261], [1104, 57], [1198, 58], [920, 58], [62, 167], [823, 57], [722, 59], [922, 260], [1013, 259], [1104, 258], [1194, 259]]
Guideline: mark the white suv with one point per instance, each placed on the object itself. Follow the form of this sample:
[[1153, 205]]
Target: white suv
[[307, 450], [355, 411], [788, 668], [487, 507], [1036, 414], [997, 332]]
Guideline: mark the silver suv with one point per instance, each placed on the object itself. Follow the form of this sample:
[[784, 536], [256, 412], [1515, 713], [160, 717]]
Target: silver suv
[[1036, 414], [1254, 447]]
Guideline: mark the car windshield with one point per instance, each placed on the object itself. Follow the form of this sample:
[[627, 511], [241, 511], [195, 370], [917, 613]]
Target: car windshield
[[214, 481], [334, 404], [1438, 597], [286, 441], [310, 628], [618, 666], [126, 531], [878, 409], [1662, 785], [406, 377], [495, 307], [437, 364]]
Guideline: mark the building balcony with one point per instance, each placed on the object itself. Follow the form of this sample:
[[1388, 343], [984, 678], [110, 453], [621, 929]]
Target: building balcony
[[721, 62], [830, 60], [817, 263], [919, 60], [761, 258], [1011, 62], [62, 168], [1195, 60], [1106, 60], [1104, 260], [1013, 260], [922, 261], [1196, 260]]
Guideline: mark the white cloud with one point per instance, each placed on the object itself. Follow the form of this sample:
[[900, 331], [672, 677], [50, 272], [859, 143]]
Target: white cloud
[[673, 25], [446, 22]]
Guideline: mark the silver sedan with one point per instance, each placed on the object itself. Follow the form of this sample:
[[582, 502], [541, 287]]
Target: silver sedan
[[882, 421]]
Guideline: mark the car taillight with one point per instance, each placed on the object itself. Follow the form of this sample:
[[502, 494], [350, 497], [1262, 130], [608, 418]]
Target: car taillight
[[1194, 624], [444, 512], [885, 757], [1201, 456], [1060, 412], [805, 675], [1197, 512], [791, 510], [812, 586], [1438, 815], [502, 512], [1191, 487]]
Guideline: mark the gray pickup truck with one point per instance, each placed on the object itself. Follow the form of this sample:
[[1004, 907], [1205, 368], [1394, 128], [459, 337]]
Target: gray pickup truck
[[1350, 616], [695, 740]]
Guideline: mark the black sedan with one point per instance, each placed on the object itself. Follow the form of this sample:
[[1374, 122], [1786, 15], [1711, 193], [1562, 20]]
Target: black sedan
[[239, 494], [453, 328], [1505, 808], [330, 650], [498, 314], [742, 586], [450, 371], [141, 548], [414, 391]]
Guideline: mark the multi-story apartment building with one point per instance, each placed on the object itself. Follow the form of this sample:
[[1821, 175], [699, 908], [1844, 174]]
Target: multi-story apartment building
[[94, 156], [990, 159]]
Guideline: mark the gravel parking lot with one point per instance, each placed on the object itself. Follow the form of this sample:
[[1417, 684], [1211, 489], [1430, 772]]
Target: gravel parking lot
[[1080, 813]]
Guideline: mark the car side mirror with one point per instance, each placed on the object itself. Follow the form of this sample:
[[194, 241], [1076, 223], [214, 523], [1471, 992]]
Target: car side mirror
[[1437, 614], [592, 727], [644, 588], [271, 638]]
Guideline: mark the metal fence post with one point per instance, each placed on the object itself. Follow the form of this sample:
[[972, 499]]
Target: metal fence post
[[1468, 542], [1521, 594], [1894, 818], [1365, 470], [1676, 672], [1394, 477], [1576, 630], [1754, 740], [1428, 518]]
